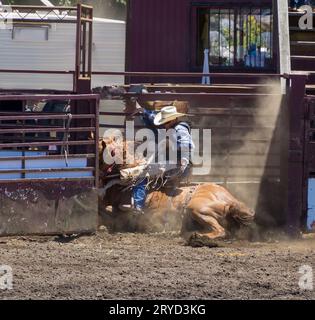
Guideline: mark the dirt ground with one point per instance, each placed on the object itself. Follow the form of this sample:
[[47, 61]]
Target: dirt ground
[[157, 266]]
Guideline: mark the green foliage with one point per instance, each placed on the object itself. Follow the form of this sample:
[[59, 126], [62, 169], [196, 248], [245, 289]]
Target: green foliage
[[252, 31]]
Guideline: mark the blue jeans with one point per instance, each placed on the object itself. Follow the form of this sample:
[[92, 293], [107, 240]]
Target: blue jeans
[[139, 194]]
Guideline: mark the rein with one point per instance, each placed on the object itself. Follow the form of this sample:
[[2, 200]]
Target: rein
[[189, 195]]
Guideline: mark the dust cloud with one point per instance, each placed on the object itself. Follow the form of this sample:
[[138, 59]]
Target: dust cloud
[[256, 163]]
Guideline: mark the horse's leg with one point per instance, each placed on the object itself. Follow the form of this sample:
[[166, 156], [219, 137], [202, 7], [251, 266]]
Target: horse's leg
[[207, 218]]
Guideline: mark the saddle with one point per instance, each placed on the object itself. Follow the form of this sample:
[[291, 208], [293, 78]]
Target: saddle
[[157, 176]]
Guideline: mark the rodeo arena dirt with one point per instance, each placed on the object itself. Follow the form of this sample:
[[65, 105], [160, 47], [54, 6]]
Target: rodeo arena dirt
[[89, 209]]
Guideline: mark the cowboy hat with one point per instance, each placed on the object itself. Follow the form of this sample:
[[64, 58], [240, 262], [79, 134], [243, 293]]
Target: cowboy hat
[[167, 114]]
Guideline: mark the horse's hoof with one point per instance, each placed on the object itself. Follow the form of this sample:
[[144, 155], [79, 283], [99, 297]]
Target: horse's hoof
[[197, 241]]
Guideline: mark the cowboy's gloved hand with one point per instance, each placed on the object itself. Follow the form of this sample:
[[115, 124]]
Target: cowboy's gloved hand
[[138, 107], [183, 164]]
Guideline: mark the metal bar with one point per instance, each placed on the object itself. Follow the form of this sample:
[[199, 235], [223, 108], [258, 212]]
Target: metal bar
[[236, 35], [156, 74], [219, 32], [260, 33], [34, 130], [295, 154], [197, 114], [217, 128], [47, 117], [282, 21], [97, 121], [23, 140], [83, 49], [78, 49], [36, 71], [86, 20], [70, 156], [250, 34], [189, 74], [30, 20], [42, 8], [41, 114], [86, 6], [57, 97], [209, 30], [14, 181], [271, 31], [230, 36], [33, 91], [90, 47], [174, 96], [67, 169], [46, 144], [206, 112]]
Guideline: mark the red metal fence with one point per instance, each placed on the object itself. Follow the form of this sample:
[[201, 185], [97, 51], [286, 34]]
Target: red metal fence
[[247, 149], [49, 142], [73, 132], [239, 115], [309, 152], [82, 16], [257, 150], [49, 163]]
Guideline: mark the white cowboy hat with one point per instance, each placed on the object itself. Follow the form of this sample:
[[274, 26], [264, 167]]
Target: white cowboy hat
[[167, 114]]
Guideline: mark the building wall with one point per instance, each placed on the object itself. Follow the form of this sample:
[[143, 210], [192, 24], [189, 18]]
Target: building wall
[[156, 36], [58, 53], [160, 34]]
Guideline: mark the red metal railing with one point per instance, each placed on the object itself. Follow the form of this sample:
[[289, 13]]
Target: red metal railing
[[73, 134], [82, 16], [289, 141]]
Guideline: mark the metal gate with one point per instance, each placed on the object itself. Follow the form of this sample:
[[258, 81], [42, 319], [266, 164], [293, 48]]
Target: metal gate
[[247, 148], [309, 163], [49, 140]]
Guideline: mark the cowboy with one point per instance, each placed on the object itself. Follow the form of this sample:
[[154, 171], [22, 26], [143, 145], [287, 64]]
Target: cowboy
[[167, 118]]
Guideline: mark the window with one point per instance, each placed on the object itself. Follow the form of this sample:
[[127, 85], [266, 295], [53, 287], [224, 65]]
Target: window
[[235, 37], [30, 33]]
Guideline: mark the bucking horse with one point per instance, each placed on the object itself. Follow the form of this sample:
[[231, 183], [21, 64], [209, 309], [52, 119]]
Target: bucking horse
[[208, 207]]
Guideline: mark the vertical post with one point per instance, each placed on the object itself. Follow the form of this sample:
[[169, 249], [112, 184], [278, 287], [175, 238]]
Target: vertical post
[[78, 49], [281, 31], [90, 44], [83, 64], [84, 73], [206, 70], [307, 168], [295, 153], [96, 110]]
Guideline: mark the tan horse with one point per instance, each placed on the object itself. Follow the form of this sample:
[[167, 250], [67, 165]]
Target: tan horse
[[210, 205]]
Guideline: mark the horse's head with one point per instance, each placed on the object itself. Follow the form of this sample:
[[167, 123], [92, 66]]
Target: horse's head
[[243, 214], [110, 148], [115, 154]]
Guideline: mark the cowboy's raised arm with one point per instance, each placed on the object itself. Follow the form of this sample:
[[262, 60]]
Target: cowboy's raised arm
[[148, 117]]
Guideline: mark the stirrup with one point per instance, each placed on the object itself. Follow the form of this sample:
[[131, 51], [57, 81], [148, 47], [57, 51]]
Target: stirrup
[[125, 207], [138, 211]]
